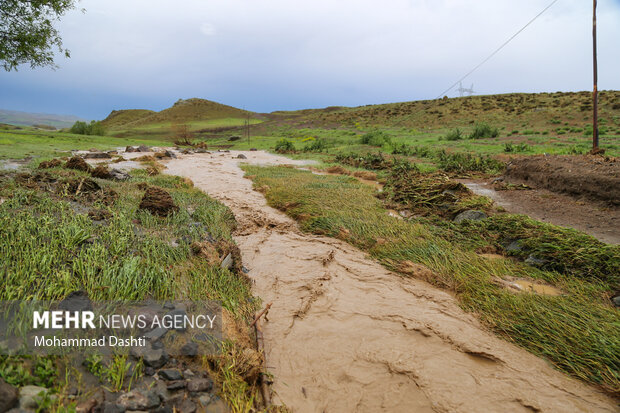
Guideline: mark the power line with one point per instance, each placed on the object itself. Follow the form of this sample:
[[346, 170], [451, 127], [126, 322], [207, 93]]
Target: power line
[[497, 50]]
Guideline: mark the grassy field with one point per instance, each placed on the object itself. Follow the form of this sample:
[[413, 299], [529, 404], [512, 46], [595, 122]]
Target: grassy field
[[343, 140], [55, 239], [18, 144], [576, 331]]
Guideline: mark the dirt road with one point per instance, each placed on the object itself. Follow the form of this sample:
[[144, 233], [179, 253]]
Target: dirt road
[[346, 335]]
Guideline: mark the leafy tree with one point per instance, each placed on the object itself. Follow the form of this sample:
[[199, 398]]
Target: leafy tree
[[79, 128], [92, 128], [27, 34]]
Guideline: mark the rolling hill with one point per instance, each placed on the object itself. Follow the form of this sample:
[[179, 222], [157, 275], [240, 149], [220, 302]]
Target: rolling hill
[[13, 117], [183, 111]]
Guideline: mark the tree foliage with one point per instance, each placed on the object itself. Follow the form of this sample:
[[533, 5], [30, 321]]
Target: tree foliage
[[27, 33], [92, 128]]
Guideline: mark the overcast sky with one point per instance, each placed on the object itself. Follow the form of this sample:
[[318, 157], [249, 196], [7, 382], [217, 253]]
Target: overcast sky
[[265, 55]]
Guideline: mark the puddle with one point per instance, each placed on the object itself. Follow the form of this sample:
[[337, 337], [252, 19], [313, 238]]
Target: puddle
[[12, 164], [394, 214], [531, 287]]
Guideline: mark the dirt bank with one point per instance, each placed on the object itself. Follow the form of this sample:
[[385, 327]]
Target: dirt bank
[[346, 335], [590, 177], [593, 218]]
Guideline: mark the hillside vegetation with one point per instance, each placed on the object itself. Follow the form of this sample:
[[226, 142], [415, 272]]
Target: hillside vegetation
[[183, 111]]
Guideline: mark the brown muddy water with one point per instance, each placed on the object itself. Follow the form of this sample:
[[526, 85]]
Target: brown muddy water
[[346, 335]]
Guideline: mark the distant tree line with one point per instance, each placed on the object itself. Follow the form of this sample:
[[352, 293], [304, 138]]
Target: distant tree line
[[92, 128]]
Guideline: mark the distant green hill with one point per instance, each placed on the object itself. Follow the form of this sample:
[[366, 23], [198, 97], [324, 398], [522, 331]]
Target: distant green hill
[[183, 111], [13, 117], [515, 110]]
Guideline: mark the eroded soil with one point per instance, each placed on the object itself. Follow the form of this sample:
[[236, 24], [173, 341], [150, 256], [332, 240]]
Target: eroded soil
[[346, 335], [591, 177], [594, 218]]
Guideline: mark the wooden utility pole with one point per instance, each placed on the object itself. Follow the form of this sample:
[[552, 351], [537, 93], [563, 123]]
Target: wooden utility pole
[[595, 91]]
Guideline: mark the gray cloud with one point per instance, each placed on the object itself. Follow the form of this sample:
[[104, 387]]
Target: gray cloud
[[282, 54]]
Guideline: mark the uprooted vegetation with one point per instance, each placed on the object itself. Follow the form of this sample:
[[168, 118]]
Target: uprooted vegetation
[[62, 230], [575, 330]]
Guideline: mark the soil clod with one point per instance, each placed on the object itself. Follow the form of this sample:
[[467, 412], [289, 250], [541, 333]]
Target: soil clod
[[158, 202], [77, 163]]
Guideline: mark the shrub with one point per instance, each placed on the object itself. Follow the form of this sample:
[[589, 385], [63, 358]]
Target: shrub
[[483, 131], [375, 138], [92, 128], [284, 146], [517, 147], [318, 145], [454, 135], [464, 162]]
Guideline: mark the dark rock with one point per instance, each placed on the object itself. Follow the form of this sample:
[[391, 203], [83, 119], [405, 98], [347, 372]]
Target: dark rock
[[200, 150], [170, 154], [234, 138], [118, 175], [157, 345], [177, 315], [189, 350], [97, 155], [158, 202], [137, 352], [176, 385], [155, 358], [143, 148], [131, 149], [138, 400], [156, 334], [76, 301], [108, 407], [8, 396], [170, 374], [77, 163], [163, 409], [616, 300], [149, 371], [535, 261], [253, 149], [204, 399], [199, 385], [241, 156], [471, 215], [187, 406]]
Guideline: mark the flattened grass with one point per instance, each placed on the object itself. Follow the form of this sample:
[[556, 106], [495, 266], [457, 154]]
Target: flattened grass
[[578, 332], [50, 247]]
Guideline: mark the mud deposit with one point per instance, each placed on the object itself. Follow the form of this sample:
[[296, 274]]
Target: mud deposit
[[600, 221], [346, 335], [591, 177]]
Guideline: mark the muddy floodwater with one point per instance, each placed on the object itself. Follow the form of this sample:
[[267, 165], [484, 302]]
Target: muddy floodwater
[[346, 335]]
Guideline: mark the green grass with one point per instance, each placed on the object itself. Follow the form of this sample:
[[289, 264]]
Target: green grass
[[18, 144], [343, 139], [50, 247], [578, 332]]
